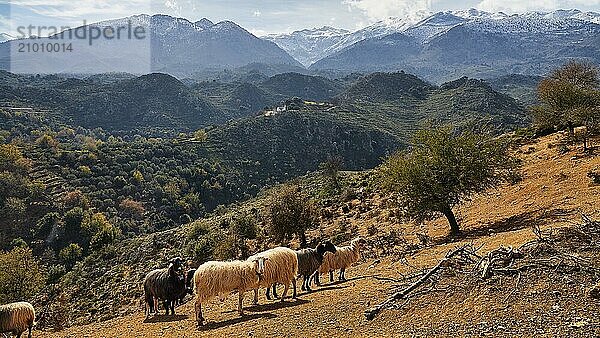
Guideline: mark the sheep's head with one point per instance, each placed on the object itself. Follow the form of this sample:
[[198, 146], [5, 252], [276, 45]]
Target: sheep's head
[[188, 278], [324, 247], [188, 281], [177, 263], [175, 267], [259, 265]]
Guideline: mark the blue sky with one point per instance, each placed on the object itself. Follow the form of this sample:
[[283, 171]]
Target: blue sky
[[258, 16]]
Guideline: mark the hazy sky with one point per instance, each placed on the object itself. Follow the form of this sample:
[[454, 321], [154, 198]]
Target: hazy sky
[[264, 16]]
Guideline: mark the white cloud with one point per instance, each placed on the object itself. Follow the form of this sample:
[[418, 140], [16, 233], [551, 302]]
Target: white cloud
[[256, 13], [173, 5], [381, 9], [519, 6], [410, 9], [68, 9]]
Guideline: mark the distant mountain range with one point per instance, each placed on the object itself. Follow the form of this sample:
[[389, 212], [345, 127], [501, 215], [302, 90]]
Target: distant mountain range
[[445, 45], [5, 37], [302, 44], [310, 45], [172, 45], [436, 46], [161, 105]]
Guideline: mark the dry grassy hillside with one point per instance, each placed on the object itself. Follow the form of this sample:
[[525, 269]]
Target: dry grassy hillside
[[536, 301]]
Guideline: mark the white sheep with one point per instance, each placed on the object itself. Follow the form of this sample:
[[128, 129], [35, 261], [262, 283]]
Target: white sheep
[[17, 318], [342, 259], [280, 268], [214, 279]]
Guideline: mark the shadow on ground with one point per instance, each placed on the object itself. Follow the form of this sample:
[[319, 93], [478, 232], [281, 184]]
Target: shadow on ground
[[165, 318], [233, 321], [276, 305], [513, 223]]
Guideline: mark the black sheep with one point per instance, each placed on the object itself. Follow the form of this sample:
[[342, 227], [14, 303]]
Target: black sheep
[[309, 260], [165, 284]]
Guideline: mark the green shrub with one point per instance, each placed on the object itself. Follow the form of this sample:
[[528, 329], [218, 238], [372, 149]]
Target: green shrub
[[70, 254], [245, 226], [291, 212], [55, 272], [21, 275], [101, 230], [18, 243]]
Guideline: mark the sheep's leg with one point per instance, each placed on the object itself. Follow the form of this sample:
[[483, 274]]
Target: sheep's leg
[[155, 305], [342, 276], [198, 308], [330, 276], [275, 296], [294, 294], [268, 293], [167, 306], [307, 282], [303, 287], [241, 300], [29, 334], [149, 307], [255, 301], [173, 308], [285, 290], [316, 278]]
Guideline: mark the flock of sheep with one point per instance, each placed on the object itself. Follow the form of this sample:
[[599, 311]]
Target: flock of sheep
[[265, 269]]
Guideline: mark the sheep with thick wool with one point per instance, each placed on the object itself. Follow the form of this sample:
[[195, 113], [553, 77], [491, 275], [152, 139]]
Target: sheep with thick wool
[[17, 318], [218, 279], [280, 268], [341, 260]]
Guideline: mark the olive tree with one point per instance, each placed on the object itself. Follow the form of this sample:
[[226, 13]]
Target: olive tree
[[570, 97], [443, 168], [21, 275], [331, 168], [291, 212]]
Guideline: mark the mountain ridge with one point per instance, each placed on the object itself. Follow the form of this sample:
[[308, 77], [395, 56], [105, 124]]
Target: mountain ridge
[[169, 44], [426, 26]]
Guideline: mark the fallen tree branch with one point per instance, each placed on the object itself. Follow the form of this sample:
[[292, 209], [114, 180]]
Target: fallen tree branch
[[371, 313], [551, 252]]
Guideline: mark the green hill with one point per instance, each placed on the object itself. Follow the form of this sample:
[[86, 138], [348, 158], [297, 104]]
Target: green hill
[[522, 87], [308, 87], [399, 103], [383, 87]]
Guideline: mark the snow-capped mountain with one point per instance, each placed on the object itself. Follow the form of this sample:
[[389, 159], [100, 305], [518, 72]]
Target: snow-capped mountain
[[311, 45], [424, 26], [170, 45], [308, 45], [5, 37], [475, 43]]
